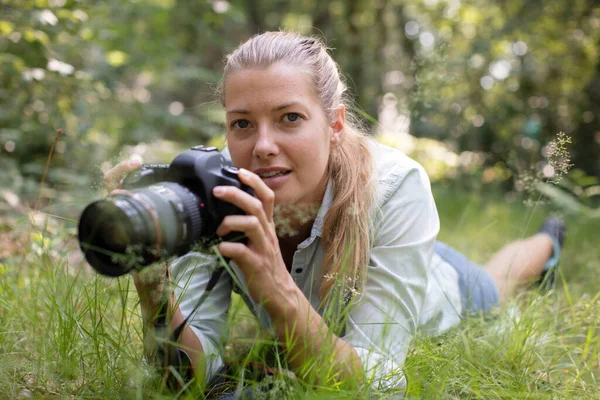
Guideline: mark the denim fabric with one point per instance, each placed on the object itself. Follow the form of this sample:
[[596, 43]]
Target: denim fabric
[[478, 290]]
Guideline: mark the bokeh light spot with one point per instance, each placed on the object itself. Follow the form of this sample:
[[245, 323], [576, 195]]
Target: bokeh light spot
[[476, 61], [500, 70], [526, 143], [519, 48], [412, 29], [220, 6], [588, 117], [426, 39], [478, 120], [455, 108], [486, 82], [176, 108], [9, 146]]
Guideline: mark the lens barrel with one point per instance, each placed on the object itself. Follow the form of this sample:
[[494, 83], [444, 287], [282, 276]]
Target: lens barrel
[[131, 229]]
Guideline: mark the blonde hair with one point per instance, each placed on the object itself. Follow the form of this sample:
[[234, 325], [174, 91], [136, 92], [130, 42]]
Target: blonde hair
[[346, 229]]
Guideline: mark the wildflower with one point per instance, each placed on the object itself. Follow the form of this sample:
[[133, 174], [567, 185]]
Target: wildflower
[[286, 216], [559, 158]]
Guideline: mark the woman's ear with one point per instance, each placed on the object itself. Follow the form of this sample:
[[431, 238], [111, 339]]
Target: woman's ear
[[338, 124]]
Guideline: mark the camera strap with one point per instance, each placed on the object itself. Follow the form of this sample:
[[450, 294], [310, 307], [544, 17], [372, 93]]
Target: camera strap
[[214, 278], [170, 356]]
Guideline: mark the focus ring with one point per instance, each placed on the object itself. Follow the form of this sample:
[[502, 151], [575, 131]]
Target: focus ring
[[191, 207]]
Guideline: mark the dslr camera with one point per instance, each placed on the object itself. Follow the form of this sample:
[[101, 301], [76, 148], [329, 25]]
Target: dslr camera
[[161, 210]]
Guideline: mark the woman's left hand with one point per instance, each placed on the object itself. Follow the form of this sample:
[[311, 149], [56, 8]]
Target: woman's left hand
[[260, 260]]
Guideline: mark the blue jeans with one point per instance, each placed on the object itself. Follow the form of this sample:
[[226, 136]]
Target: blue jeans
[[478, 290]]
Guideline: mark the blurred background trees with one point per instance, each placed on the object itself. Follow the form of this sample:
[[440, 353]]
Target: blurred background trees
[[493, 82]]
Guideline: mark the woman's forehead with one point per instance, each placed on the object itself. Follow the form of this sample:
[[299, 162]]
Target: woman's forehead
[[271, 86]]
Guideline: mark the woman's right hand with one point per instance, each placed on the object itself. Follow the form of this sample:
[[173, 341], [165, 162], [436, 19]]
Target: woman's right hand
[[114, 176]]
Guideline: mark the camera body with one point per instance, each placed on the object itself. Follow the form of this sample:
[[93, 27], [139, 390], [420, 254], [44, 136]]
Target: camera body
[[160, 211]]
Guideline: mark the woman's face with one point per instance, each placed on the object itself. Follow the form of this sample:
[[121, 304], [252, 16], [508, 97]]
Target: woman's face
[[277, 128]]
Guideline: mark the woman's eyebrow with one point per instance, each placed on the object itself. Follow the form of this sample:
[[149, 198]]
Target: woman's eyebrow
[[286, 105], [278, 108], [238, 111]]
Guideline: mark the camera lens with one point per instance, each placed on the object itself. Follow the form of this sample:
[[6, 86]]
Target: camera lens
[[132, 229]]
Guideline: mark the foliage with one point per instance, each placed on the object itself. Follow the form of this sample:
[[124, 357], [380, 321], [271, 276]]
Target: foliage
[[105, 84]]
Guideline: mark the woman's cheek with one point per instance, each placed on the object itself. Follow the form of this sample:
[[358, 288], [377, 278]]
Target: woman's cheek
[[240, 155]]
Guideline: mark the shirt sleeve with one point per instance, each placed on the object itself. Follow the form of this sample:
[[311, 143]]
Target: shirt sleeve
[[191, 274], [384, 319]]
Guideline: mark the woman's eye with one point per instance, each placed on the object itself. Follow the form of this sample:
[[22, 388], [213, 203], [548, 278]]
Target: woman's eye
[[292, 117], [240, 123]]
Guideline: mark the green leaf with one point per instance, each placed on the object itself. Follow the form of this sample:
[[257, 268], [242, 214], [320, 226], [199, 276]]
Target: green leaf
[[116, 58], [32, 35], [6, 27]]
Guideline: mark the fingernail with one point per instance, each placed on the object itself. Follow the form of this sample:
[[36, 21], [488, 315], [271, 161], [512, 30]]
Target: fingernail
[[134, 163], [244, 172], [218, 190]]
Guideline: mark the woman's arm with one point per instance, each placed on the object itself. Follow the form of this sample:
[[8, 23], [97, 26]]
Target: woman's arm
[[201, 337], [308, 339], [299, 327], [151, 294]]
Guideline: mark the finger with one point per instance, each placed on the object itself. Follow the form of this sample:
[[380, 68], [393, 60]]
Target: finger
[[122, 168], [248, 224], [238, 252], [113, 177], [250, 204], [262, 192]]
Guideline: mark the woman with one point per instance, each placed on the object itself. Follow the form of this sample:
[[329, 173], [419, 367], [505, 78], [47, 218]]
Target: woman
[[357, 271]]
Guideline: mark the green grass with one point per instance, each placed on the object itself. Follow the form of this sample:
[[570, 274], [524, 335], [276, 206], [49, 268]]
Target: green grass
[[67, 333]]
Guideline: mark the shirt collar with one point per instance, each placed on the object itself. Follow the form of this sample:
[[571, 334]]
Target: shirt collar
[[317, 228]]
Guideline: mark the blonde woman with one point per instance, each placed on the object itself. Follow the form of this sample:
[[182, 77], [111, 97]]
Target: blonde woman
[[346, 282]]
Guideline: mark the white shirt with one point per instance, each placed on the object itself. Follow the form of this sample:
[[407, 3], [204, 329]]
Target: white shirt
[[406, 287]]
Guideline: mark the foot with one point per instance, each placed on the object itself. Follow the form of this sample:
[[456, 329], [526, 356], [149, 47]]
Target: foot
[[555, 228]]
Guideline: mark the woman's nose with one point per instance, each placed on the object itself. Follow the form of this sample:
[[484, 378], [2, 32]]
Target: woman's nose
[[266, 145]]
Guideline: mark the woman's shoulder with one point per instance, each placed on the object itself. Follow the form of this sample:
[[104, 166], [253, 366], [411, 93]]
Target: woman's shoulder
[[396, 172]]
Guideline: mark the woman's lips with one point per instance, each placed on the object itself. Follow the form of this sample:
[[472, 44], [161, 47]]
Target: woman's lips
[[275, 182]]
